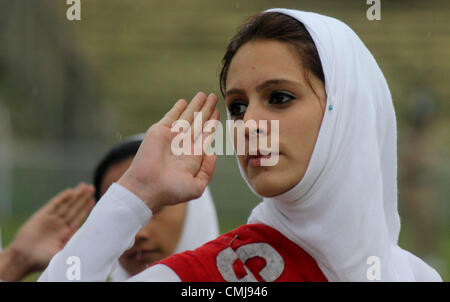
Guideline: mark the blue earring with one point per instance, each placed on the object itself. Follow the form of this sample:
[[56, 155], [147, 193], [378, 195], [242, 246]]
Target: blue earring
[[330, 107]]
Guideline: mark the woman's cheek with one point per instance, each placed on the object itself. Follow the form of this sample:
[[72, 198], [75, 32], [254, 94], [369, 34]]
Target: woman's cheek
[[242, 163]]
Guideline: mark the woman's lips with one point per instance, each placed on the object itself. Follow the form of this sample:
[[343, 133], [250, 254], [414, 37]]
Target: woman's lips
[[140, 255], [255, 160]]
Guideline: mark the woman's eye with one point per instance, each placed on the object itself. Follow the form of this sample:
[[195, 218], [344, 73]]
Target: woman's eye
[[238, 108], [280, 97]]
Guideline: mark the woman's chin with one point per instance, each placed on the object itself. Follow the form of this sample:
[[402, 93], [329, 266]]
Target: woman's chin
[[272, 182], [266, 186]]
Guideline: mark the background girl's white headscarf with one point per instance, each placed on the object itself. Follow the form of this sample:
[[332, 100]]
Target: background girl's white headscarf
[[200, 226], [344, 210]]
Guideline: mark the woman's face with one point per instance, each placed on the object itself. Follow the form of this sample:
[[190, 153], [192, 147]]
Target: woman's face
[[158, 239], [266, 81]]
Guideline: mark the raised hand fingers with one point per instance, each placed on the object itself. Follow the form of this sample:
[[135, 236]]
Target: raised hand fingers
[[174, 114], [81, 213], [64, 200], [205, 174], [208, 164], [209, 130], [59, 200], [83, 203], [195, 105], [206, 112], [64, 209]]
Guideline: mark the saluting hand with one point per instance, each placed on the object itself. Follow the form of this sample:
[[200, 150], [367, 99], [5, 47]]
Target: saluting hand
[[157, 175]]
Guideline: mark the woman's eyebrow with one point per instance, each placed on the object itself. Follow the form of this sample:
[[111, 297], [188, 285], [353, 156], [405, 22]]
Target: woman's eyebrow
[[268, 83], [234, 91], [262, 86]]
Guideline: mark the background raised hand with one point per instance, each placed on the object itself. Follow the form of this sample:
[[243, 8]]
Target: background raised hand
[[46, 233]]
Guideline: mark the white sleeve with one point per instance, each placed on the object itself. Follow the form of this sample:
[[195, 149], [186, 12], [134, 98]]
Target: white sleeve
[[156, 273], [108, 231]]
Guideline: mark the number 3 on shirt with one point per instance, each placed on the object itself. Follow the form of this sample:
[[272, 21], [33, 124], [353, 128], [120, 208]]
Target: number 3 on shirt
[[270, 272]]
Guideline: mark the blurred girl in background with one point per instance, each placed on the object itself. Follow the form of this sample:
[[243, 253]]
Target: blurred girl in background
[[174, 229]]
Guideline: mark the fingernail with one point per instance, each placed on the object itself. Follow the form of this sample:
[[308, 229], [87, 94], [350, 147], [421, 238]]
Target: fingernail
[[213, 96]]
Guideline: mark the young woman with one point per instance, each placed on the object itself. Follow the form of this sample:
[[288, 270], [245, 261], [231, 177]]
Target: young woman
[[329, 209], [174, 229]]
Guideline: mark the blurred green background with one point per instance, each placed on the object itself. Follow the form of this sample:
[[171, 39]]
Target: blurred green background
[[69, 90]]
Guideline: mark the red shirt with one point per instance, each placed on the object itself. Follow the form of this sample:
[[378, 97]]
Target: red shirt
[[252, 252]]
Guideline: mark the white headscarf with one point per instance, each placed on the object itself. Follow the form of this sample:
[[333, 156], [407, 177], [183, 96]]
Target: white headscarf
[[344, 210], [200, 226]]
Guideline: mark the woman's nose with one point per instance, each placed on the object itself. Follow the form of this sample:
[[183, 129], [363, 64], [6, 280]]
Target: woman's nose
[[255, 121], [142, 235]]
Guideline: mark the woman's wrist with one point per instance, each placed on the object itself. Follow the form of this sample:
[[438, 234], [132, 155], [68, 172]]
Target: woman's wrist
[[141, 190], [14, 264]]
